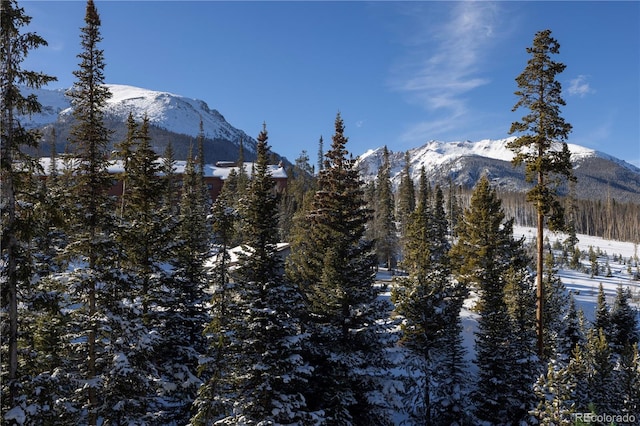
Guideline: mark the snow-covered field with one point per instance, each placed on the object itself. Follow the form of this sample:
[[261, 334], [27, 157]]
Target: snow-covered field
[[581, 284]]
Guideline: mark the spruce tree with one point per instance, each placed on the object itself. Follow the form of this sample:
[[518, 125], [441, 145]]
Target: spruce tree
[[209, 405], [300, 184], [15, 167], [571, 334], [333, 264], [182, 299], [430, 304], [542, 147], [601, 383], [263, 378], [486, 258], [92, 244], [144, 235], [555, 306], [628, 380], [602, 319], [624, 321]]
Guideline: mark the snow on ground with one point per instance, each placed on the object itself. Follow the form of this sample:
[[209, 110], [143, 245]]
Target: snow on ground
[[583, 287], [581, 284]]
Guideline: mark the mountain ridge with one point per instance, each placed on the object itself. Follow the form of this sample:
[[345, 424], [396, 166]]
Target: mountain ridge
[[176, 119], [600, 175]]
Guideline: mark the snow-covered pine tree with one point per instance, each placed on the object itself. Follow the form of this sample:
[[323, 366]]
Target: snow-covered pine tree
[[483, 258], [602, 319], [624, 321], [214, 396], [520, 297], [628, 380], [15, 168], [183, 301], [334, 265], [262, 376], [571, 334], [555, 392], [554, 307], [144, 238], [92, 251], [430, 302], [601, 385]]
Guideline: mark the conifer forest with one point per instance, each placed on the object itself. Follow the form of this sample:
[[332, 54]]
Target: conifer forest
[[330, 302]]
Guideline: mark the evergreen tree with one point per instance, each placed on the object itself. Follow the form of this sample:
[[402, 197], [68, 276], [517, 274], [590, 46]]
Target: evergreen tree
[[170, 181], [145, 235], [264, 376], [15, 168], [333, 265], [486, 258], [92, 245], [602, 320], [300, 184], [182, 301], [628, 380], [320, 154], [600, 386], [209, 406], [386, 240], [454, 209], [593, 261], [124, 151], [430, 305], [555, 392], [523, 362], [537, 149], [572, 333], [624, 321], [555, 306]]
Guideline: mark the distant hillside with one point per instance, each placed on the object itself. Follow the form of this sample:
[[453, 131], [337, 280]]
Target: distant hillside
[[172, 117], [600, 176]]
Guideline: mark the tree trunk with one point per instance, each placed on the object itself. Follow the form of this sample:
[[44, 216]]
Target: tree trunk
[[539, 272]]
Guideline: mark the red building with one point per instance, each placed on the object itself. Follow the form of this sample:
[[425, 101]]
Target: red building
[[214, 175]]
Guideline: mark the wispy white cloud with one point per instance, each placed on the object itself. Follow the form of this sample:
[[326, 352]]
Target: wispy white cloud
[[579, 86], [443, 61]]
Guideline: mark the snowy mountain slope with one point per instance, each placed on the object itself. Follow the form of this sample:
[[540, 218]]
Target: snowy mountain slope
[[173, 119], [598, 173], [169, 112]]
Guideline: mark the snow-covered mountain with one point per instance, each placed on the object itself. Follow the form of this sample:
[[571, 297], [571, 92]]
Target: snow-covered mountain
[[172, 112], [166, 111], [599, 174]]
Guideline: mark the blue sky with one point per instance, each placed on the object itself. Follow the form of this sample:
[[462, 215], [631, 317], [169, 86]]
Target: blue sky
[[400, 73]]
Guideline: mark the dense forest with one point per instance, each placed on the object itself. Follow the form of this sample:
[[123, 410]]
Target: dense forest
[[163, 307]]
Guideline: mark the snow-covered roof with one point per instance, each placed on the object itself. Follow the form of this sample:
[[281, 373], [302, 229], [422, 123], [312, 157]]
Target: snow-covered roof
[[210, 170]]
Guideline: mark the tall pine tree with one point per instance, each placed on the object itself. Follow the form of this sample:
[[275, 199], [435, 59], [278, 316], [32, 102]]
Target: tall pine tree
[[333, 264], [541, 148], [263, 377], [15, 168], [92, 245]]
